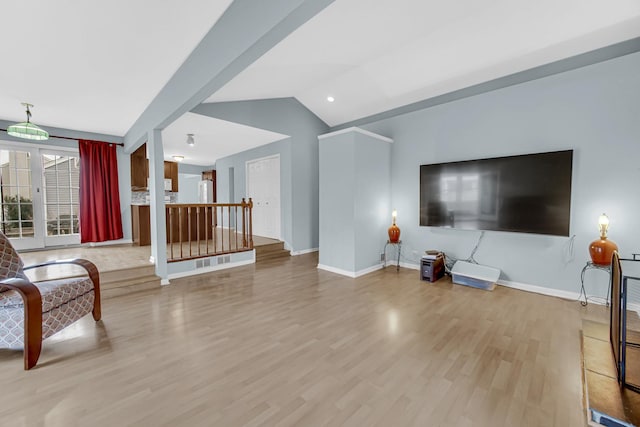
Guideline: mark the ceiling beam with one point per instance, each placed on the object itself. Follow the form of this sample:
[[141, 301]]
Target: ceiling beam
[[247, 30]]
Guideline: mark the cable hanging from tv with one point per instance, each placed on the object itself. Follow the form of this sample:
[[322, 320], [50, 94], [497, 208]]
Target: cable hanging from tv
[[449, 261]]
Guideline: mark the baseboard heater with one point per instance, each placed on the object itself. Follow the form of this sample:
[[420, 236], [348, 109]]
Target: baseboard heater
[[475, 275]]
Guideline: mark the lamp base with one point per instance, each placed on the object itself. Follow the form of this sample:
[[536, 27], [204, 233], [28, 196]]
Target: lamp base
[[394, 234], [601, 251]]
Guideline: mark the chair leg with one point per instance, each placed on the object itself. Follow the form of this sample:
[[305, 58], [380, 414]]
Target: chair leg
[[97, 312], [32, 348], [32, 333]]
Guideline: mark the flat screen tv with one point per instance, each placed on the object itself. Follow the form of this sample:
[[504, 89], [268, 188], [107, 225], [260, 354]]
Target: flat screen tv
[[529, 193]]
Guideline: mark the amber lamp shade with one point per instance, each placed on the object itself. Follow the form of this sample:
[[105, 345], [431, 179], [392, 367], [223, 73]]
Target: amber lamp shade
[[601, 250], [394, 230]]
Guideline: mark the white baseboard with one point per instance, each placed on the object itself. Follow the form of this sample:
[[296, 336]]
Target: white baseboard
[[352, 274], [111, 242], [539, 290], [407, 265], [304, 251], [211, 269], [533, 288]]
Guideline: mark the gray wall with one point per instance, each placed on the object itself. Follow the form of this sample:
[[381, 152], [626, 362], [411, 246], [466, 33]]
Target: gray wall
[[593, 110], [300, 159], [372, 198], [237, 163], [354, 200], [337, 210], [188, 178]]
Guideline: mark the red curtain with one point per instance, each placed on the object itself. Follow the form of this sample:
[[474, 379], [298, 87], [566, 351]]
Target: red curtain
[[100, 218]]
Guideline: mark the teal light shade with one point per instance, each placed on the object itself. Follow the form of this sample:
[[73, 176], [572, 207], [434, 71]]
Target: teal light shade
[[27, 130]]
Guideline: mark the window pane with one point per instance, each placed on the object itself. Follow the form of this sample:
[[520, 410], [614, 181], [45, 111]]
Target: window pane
[[61, 194], [15, 194]]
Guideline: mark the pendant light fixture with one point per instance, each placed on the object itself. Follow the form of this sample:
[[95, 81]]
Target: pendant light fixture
[[190, 141], [28, 130]]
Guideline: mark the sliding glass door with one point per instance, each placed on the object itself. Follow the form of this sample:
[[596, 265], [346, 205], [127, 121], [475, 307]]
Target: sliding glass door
[[38, 196], [61, 175], [19, 213]]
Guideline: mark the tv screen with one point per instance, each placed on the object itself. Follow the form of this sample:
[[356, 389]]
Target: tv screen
[[529, 193]]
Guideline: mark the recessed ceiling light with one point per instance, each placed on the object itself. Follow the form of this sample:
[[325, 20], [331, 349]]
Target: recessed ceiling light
[[330, 98], [178, 158]]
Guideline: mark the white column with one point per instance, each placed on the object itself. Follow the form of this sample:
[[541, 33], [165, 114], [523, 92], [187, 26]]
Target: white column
[[158, 215]]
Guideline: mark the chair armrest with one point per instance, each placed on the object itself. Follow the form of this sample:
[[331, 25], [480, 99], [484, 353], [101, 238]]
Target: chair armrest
[[25, 288], [90, 267], [32, 317]]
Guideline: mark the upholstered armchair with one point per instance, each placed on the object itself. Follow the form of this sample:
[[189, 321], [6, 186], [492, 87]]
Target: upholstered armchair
[[31, 312]]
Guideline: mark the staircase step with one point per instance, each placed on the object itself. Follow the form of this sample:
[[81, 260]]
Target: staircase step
[[129, 289], [271, 251], [273, 247], [120, 282], [126, 273], [279, 254], [273, 255]]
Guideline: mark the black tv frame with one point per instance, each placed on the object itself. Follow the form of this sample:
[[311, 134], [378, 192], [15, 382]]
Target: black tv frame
[[527, 193]]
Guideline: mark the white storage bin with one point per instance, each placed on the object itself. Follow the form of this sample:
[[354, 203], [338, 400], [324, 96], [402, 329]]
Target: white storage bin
[[475, 275]]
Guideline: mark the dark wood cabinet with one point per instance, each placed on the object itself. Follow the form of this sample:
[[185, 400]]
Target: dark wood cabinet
[[209, 175], [141, 224], [139, 168], [171, 172]]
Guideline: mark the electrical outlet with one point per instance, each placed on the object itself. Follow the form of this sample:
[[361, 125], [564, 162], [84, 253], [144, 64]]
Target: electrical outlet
[[382, 258]]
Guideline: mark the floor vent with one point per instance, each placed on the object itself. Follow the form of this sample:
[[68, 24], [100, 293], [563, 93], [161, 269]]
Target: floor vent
[[201, 263]]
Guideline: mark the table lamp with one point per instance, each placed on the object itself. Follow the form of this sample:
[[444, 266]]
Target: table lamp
[[601, 250], [394, 231]]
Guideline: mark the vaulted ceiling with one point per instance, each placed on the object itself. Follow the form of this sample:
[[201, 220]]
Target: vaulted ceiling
[[96, 66]]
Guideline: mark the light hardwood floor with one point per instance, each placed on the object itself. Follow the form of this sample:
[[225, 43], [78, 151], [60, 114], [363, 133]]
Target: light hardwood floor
[[285, 344]]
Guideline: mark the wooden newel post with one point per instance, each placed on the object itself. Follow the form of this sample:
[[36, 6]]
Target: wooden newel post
[[244, 223], [250, 223]]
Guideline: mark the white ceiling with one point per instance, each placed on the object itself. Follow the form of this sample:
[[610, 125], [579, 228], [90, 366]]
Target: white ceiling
[[375, 55], [214, 138], [95, 66]]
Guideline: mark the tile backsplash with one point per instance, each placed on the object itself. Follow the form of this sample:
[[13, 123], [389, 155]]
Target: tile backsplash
[[142, 197]]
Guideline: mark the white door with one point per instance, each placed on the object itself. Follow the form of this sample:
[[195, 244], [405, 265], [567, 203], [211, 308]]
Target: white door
[[263, 187]]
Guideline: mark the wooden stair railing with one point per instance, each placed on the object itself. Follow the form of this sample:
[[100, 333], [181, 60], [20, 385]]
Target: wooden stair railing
[[204, 230]]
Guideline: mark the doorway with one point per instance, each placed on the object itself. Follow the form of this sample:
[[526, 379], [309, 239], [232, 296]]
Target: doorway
[[39, 196], [263, 187]]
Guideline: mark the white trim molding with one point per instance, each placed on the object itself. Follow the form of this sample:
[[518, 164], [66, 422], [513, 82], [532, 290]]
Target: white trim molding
[[352, 274], [356, 129], [211, 269], [525, 287], [304, 251], [111, 242], [539, 290]]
